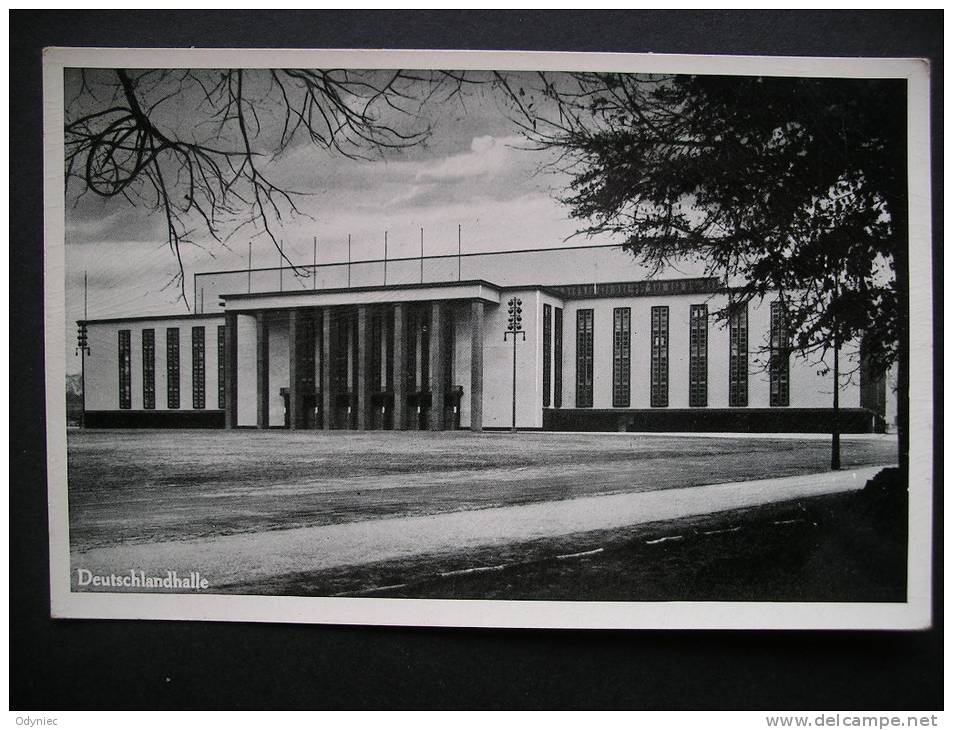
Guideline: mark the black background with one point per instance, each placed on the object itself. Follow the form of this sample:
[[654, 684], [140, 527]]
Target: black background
[[156, 665]]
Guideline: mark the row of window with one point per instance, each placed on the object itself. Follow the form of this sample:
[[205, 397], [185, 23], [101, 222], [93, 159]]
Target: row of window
[[172, 368], [552, 359], [779, 375]]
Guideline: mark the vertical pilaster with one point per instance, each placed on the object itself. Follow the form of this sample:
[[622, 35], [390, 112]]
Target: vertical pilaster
[[326, 363], [261, 348], [363, 374], [294, 400], [476, 366], [436, 367], [398, 378], [231, 370]]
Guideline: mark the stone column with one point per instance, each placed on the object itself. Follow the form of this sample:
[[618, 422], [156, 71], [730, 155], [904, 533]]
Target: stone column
[[231, 370], [436, 367], [326, 361], [363, 374], [399, 378], [262, 367], [294, 401], [476, 366]]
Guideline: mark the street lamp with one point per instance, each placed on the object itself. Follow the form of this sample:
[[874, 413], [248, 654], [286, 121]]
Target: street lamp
[[82, 349], [514, 327]]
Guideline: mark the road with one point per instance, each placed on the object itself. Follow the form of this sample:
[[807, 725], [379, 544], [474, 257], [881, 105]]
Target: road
[[158, 486], [227, 559]]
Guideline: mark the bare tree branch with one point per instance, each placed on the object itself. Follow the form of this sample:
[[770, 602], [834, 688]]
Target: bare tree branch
[[207, 174]]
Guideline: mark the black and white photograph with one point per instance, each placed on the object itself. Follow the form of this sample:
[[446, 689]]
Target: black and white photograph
[[489, 339]]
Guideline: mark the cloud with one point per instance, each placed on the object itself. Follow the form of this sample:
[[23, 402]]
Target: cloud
[[488, 168], [484, 182], [136, 224], [487, 155], [493, 169], [473, 171]]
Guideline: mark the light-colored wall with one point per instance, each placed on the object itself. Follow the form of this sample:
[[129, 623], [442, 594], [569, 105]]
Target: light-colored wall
[[102, 367], [247, 374], [279, 370], [891, 405], [554, 304], [462, 357], [498, 364], [102, 363], [808, 388]]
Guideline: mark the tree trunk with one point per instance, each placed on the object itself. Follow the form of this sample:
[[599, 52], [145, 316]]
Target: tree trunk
[[835, 416], [899, 215]]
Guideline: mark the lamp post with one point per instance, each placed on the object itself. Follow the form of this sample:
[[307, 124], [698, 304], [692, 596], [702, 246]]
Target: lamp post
[[514, 327], [82, 349]]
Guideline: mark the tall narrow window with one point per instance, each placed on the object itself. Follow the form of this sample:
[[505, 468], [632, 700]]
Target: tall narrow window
[[221, 365], [659, 375], [149, 369], [125, 370], [558, 357], [424, 320], [410, 366], [698, 355], [172, 365], [198, 367], [306, 355], [389, 354], [449, 354], [779, 362], [621, 350], [547, 352], [339, 352], [584, 358], [355, 366], [376, 343], [738, 355]]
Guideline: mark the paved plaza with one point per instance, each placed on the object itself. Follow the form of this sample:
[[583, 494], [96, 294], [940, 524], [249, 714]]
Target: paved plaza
[[238, 506]]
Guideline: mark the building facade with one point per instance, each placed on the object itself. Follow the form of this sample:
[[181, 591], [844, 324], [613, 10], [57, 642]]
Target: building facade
[[635, 355]]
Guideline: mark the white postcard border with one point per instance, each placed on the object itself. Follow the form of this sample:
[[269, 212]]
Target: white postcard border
[[914, 614]]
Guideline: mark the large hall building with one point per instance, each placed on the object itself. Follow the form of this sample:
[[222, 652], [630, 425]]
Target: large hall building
[[379, 345]]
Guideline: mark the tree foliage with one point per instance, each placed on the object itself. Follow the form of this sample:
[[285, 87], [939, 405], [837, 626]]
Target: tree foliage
[[789, 185]]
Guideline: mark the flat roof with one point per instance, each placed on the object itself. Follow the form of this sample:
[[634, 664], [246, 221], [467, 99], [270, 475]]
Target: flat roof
[[588, 290], [471, 290], [143, 318], [584, 290], [361, 289]]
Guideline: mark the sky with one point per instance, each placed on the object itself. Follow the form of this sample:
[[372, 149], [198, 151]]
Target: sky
[[475, 170]]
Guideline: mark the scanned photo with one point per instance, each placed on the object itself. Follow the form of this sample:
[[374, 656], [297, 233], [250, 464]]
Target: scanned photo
[[489, 339]]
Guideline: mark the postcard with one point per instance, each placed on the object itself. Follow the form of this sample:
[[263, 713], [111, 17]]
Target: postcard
[[489, 339]]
